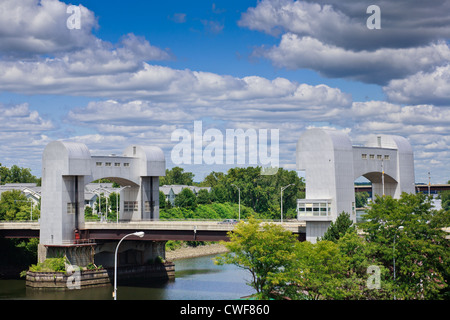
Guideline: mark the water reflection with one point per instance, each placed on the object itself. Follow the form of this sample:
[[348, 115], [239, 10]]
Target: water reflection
[[195, 279]]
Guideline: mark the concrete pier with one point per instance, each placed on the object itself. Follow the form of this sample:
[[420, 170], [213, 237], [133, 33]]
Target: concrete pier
[[103, 277]]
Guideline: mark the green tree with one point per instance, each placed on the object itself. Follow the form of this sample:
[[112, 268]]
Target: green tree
[[4, 173], [407, 230], [337, 229], [101, 205], [162, 199], [361, 199], [212, 179], [114, 205], [20, 253], [89, 213], [186, 199], [445, 199], [16, 174], [361, 255], [259, 192], [321, 271], [332, 270], [14, 205], [263, 250], [220, 193], [176, 175], [203, 197]]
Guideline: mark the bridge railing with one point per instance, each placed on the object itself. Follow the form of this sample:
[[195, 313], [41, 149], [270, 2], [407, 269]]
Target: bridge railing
[[19, 221], [189, 220]]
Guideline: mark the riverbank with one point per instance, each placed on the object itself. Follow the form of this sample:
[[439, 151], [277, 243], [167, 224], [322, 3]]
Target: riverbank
[[192, 252]]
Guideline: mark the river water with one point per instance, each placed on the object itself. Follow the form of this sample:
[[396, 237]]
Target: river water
[[195, 279]]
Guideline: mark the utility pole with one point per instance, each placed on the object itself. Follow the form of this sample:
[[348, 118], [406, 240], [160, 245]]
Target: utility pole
[[429, 183]]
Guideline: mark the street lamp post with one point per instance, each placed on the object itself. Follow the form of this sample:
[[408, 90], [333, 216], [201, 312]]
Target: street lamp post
[[139, 234], [106, 199], [117, 202], [99, 208], [97, 191], [239, 199], [281, 199]]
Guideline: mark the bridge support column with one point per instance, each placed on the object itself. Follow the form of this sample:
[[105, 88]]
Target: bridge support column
[[80, 255], [316, 229], [138, 261], [130, 253]]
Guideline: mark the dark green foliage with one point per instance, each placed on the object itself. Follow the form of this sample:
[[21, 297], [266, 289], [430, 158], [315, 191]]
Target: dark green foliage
[[176, 175], [186, 199], [213, 211], [361, 199], [16, 174], [259, 192], [162, 200], [410, 231], [14, 205], [445, 200], [339, 228], [203, 197], [406, 229], [50, 265]]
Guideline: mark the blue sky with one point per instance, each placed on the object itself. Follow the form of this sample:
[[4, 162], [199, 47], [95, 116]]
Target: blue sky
[[136, 71], [205, 36]]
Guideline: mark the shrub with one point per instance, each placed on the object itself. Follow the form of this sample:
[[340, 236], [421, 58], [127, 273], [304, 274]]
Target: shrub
[[50, 265]]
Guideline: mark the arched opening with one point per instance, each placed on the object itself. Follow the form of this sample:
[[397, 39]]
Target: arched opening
[[117, 199], [368, 186], [382, 184]]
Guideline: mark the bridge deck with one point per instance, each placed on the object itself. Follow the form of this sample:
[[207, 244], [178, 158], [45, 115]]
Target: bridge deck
[[154, 230], [171, 230]]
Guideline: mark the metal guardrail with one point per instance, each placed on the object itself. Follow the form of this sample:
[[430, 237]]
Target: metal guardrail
[[19, 221], [189, 220]]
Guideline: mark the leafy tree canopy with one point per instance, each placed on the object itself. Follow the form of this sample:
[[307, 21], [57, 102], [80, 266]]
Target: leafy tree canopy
[[16, 174], [186, 199], [263, 250], [176, 175], [14, 205], [340, 227], [410, 231]]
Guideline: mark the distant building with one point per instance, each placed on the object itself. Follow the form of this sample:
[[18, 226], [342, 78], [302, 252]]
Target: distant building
[[168, 193], [31, 191], [93, 190]]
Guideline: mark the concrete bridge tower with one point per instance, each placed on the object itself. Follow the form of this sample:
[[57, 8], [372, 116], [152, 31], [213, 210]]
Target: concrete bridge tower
[[68, 166], [332, 164]]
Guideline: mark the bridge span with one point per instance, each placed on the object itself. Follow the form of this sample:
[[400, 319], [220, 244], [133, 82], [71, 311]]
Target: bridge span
[[189, 230]]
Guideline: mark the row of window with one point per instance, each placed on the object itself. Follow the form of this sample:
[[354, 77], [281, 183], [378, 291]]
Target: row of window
[[314, 209], [130, 206], [127, 206], [317, 209], [71, 207], [109, 164], [372, 156], [133, 206]]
